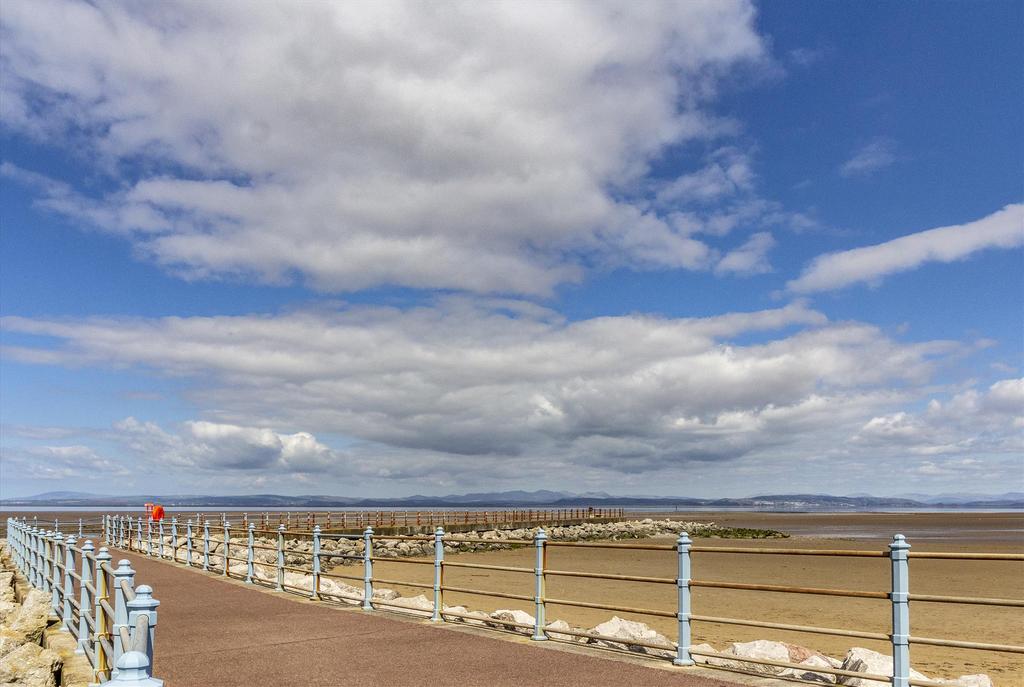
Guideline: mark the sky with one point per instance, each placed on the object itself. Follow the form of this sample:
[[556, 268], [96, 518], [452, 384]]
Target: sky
[[700, 249]]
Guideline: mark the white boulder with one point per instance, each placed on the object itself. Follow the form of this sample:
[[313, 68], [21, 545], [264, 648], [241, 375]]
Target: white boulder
[[863, 660]]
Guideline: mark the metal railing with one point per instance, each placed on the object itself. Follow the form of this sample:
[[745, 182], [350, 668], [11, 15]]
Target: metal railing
[[123, 533], [113, 622]]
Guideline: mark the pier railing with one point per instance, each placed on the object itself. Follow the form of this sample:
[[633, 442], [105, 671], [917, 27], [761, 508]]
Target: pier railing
[[408, 518], [194, 546], [112, 621]]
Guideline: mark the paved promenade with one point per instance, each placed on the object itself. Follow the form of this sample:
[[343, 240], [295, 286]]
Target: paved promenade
[[214, 632]]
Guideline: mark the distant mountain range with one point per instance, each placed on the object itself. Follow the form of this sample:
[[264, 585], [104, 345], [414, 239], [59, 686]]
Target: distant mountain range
[[530, 499]]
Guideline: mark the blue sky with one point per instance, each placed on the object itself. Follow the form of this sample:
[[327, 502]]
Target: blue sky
[[686, 249]]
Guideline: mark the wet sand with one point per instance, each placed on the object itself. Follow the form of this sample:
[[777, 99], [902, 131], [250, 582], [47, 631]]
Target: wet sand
[[958, 532]]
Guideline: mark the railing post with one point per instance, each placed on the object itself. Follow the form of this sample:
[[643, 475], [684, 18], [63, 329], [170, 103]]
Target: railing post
[[149, 537], [280, 557], [188, 543], [106, 529], [315, 587], [900, 611], [438, 568], [55, 584], [138, 535], [69, 582], [102, 622], [30, 538], [79, 528], [123, 572], [368, 569], [144, 604], [683, 657], [160, 535], [206, 545], [174, 539], [249, 567], [226, 550], [538, 630], [85, 598]]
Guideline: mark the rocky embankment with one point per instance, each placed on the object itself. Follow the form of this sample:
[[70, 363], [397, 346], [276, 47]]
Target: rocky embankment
[[23, 660]]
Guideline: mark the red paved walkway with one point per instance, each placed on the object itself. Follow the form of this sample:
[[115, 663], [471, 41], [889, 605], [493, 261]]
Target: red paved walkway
[[216, 633]]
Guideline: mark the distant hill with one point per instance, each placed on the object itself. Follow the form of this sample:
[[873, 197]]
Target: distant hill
[[529, 499]]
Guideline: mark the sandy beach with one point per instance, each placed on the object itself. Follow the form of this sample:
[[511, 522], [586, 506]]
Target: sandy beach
[[974, 532]]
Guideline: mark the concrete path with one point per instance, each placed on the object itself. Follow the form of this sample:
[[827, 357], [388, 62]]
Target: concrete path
[[219, 633]]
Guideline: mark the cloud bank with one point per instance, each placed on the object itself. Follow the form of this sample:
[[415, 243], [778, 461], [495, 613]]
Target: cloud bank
[[482, 147], [472, 386]]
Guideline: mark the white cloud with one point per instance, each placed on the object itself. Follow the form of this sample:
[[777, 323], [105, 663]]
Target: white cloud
[[750, 258], [490, 147], [1002, 229], [466, 387], [972, 421], [60, 463], [876, 155]]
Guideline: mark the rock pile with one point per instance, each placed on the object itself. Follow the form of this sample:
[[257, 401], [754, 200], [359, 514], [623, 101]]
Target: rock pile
[[23, 661], [857, 659]]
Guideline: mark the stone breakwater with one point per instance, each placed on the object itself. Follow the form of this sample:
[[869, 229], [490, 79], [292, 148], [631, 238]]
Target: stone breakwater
[[23, 622], [298, 551]]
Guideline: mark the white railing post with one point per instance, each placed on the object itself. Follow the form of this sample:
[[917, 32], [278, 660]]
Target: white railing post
[[99, 616], [683, 657], [79, 528], [174, 539], [124, 573], [33, 560], [55, 580], [106, 529], [138, 536], [69, 582], [249, 556], [280, 557], [144, 604], [160, 535], [149, 537], [438, 567], [206, 545], [85, 598], [900, 611], [188, 543], [539, 542], [315, 588], [227, 547], [368, 569]]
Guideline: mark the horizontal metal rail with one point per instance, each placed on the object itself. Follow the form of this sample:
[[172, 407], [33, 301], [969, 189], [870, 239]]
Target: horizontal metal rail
[[859, 594], [618, 640], [380, 559], [786, 664], [358, 578], [478, 592], [604, 607], [790, 552], [607, 576], [967, 556], [418, 585], [470, 540], [598, 545], [795, 628], [981, 646], [488, 620], [481, 566], [936, 598]]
